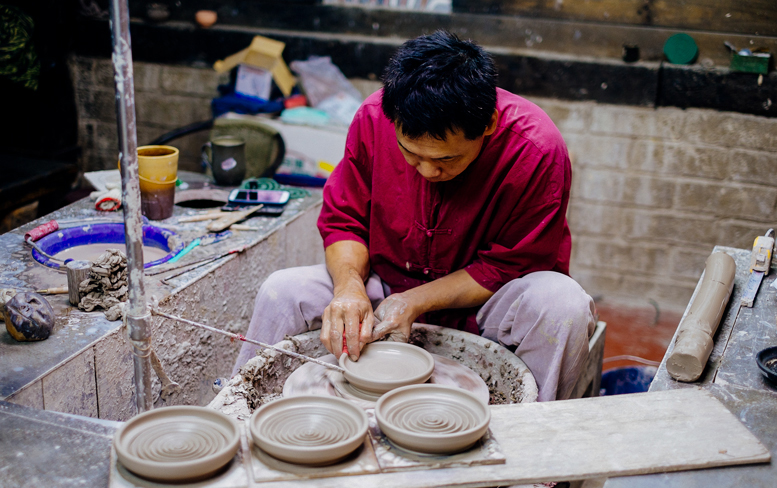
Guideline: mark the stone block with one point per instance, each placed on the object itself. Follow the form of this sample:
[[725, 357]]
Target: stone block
[[82, 71], [730, 129], [587, 218], [689, 262], [193, 81], [675, 227], [663, 123], [570, 118], [147, 76], [696, 161], [71, 387], [741, 234], [102, 106], [170, 111], [366, 87], [115, 377], [723, 200], [757, 167], [616, 152], [623, 188], [622, 255], [31, 396]]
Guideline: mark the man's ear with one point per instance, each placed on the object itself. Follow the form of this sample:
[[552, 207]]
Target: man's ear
[[491, 127]]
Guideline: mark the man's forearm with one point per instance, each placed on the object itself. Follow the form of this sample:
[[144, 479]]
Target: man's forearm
[[457, 290], [347, 261]]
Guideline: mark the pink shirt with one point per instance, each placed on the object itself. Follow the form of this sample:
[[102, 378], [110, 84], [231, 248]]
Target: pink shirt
[[503, 217]]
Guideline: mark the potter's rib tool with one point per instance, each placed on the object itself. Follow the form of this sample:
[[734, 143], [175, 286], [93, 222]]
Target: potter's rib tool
[[760, 261], [250, 341], [185, 250], [232, 218], [205, 240]]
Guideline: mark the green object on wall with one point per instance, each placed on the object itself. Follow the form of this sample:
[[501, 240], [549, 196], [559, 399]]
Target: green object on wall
[[18, 59], [681, 49], [753, 63]]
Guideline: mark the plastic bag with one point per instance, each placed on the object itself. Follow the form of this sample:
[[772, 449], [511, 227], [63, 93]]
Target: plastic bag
[[327, 88]]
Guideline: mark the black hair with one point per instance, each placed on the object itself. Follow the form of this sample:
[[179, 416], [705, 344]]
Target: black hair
[[439, 83]]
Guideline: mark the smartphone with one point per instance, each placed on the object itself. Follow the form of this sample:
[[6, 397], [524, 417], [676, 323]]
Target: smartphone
[[266, 211], [255, 197]]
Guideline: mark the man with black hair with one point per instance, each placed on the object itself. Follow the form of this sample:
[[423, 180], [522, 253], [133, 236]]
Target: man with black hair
[[449, 207]]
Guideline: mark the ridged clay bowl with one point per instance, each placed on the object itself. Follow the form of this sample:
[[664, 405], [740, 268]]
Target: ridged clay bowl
[[307, 429], [432, 419], [384, 366], [177, 443]]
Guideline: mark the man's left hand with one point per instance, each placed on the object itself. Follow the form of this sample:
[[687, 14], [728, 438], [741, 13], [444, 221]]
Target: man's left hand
[[395, 317]]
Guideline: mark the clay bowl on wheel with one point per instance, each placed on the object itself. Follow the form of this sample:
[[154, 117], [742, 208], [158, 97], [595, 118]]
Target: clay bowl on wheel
[[432, 419], [307, 429], [384, 366], [767, 362], [177, 443]]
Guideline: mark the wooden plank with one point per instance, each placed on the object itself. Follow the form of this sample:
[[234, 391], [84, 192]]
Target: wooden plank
[[593, 438], [757, 17]]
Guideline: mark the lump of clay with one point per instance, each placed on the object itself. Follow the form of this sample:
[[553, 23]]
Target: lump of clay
[[28, 317], [107, 284]]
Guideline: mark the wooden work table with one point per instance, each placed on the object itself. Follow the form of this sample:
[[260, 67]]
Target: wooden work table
[[733, 377]]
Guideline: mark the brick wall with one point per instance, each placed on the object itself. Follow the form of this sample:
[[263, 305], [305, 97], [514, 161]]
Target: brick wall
[[653, 189], [166, 97]]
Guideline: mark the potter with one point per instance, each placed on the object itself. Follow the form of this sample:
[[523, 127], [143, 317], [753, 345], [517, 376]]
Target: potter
[[448, 208]]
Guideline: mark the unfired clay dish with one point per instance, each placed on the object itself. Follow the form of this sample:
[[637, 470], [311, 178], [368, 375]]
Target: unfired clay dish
[[384, 366], [311, 430], [432, 419], [177, 443]]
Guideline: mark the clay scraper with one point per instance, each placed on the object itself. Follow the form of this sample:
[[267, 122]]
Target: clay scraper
[[760, 262]]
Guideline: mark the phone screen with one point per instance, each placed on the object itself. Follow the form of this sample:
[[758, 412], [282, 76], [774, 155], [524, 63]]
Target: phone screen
[[255, 197]]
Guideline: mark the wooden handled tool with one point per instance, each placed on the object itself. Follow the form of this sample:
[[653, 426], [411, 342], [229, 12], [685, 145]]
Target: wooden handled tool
[[230, 218]]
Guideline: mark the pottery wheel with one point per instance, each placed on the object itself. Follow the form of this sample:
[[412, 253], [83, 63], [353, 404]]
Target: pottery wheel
[[313, 379]]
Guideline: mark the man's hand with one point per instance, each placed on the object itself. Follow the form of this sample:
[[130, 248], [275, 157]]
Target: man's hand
[[395, 316], [349, 312], [348, 264]]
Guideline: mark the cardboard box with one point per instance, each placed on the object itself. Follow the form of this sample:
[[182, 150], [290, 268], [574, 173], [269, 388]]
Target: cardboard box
[[263, 53]]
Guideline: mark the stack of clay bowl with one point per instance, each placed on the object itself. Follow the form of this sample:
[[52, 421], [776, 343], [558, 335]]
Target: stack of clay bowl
[[431, 419], [177, 444]]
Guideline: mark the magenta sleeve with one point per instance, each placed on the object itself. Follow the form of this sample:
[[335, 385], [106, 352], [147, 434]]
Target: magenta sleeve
[[346, 209]]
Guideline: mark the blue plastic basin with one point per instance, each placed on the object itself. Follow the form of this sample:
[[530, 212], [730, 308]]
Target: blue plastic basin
[[70, 237], [629, 379]]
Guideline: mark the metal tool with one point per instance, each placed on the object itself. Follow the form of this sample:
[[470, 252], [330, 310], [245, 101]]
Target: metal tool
[[250, 341], [169, 387], [760, 262]]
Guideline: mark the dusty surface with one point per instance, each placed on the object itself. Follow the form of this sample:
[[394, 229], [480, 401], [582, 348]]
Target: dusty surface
[[219, 294]]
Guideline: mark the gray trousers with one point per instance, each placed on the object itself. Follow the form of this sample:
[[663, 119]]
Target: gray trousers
[[545, 317]]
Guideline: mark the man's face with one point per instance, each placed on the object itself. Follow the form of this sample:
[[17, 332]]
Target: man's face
[[438, 160]]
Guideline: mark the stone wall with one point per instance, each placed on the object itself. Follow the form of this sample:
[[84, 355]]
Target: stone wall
[[166, 97], [653, 191]]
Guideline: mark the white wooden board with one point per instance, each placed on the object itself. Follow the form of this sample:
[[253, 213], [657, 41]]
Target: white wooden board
[[592, 438]]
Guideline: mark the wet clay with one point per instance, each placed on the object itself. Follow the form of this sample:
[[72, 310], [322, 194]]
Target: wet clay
[[312, 379], [695, 333], [177, 443], [432, 419], [90, 252], [309, 430], [107, 284], [384, 366]]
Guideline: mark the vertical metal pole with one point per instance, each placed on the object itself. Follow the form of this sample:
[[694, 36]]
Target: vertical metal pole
[[138, 316]]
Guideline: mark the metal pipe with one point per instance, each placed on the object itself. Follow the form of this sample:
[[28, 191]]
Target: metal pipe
[[137, 314]]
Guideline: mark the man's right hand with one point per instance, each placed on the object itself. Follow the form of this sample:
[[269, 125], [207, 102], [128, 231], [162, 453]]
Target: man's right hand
[[349, 309]]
